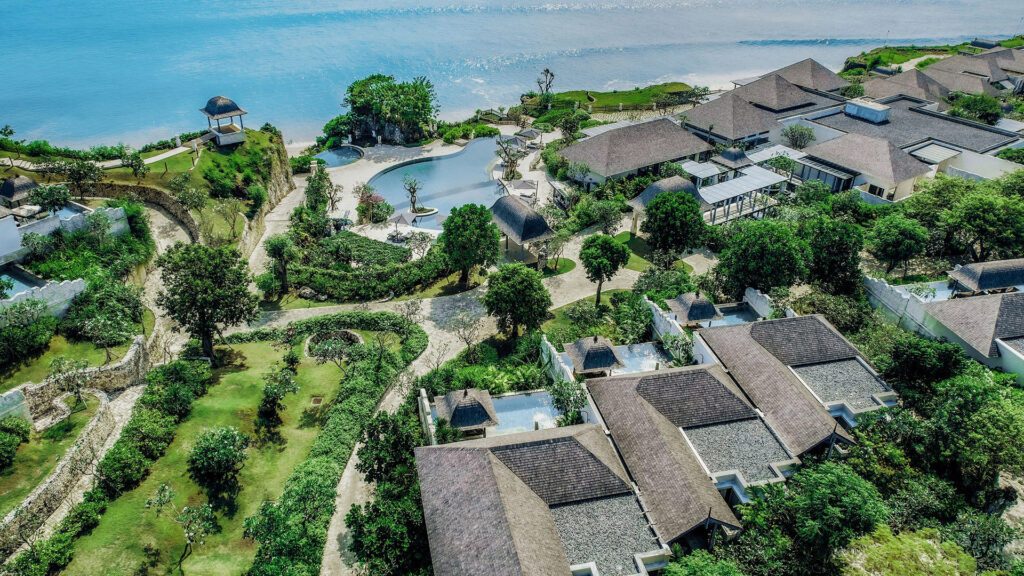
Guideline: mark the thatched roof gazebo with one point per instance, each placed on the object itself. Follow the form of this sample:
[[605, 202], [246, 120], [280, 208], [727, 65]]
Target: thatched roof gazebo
[[220, 108], [692, 308], [14, 191], [593, 355], [519, 222], [470, 410]]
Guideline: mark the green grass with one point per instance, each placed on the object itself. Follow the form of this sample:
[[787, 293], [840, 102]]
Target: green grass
[[639, 251], [36, 369], [446, 286], [564, 265], [638, 96], [37, 458], [1015, 42], [559, 320], [927, 62], [116, 546]]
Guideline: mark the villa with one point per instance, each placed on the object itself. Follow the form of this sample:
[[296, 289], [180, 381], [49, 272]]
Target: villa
[[808, 73], [913, 83], [730, 120], [633, 149], [882, 168], [801, 373], [543, 503], [969, 74], [980, 308]]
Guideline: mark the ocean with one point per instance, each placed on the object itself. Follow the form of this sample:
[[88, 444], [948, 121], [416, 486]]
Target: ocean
[[89, 72]]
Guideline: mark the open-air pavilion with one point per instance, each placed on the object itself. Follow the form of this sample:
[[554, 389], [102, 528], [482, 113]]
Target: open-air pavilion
[[521, 225], [220, 108], [748, 194]]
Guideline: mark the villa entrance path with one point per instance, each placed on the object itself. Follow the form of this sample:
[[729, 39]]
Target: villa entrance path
[[276, 222]]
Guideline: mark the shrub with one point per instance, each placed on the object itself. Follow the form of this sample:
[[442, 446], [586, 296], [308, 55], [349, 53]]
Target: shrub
[[8, 448], [304, 164], [16, 426], [26, 328], [216, 459], [151, 430], [123, 301], [123, 467]]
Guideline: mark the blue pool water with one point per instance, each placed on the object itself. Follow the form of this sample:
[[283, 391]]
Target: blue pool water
[[340, 156], [288, 63], [445, 182], [732, 315], [520, 412], [21, 282], [68, 211]]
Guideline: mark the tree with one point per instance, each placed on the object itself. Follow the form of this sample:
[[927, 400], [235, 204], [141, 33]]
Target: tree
[[26, 328], [196, 522], [811, 193], [602, 257], [921, 553], [469, 239], [895, 239], [83, 176], [673, 222], [700, 563], [397, 112], [607, 215], [570, 125], [510, 153], [835, 248], [389, 535], [466, 327], [556, 245], [782, 164], [216, 459], [987, 222], [205, 290], [798, 136], [412, 190], [570, 399], [230, 210], [107, 330], [6, 285], [334, 350], [545, 81], [283, 252], [983, 536], [190, 196], [386, 448], [97, 226], [517, 297], [70, 376], [763, 254], [50, 197], [134, 162], [980, 107], [277, 383], [419, 243]]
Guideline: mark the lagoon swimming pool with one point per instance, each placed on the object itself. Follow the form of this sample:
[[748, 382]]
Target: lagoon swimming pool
[[68, 211], [446, 182]]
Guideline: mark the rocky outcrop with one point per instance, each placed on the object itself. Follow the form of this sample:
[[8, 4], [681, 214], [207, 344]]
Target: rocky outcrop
[[279, 184]]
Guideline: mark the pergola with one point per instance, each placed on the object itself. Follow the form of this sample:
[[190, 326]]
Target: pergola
[[219, 108]]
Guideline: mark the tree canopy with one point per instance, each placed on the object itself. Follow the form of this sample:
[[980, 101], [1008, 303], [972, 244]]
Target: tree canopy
[[602, 257], [469, 239], [398, 112], [517, 297], [895, 239], [835, 248], [763, 254], [673, 222]]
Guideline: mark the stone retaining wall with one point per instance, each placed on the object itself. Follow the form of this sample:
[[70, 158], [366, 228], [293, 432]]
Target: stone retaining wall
[[56, 295], [151, 196], [33, 511], [129, 371]]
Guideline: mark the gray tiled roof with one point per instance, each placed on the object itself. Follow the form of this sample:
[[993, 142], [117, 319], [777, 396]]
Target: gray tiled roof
[[810, 73], [730, 117], [993, 275], [1009, 59], [676, 489], [981, 320], [17, 188], [635, 146], [484, 517], [670, 184], [876, 157], [690, 307], [971, 65], [912, 82], [468, 409], [694, 397], [592, 354], [957, 82], [907, 125], [774, 93], [789, 407], [519, 221], [801, 340]]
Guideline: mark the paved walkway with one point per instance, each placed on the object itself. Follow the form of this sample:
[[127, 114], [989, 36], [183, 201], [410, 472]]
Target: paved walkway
[[107, 164], [276, 221]]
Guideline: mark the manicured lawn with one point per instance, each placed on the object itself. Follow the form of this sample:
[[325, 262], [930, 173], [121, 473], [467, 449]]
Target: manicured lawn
[[38, 368], [221, 227], [1015, 42], [116, 546], [639, 251], [560, 321], [637, 96], [37, 458], [927, 62], [564, 265], [446, 286]]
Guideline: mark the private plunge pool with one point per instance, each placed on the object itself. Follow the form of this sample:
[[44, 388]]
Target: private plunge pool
[[21, 279], [340, 156], [446, 182]]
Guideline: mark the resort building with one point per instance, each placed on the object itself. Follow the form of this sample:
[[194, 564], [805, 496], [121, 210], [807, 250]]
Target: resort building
[[809, 73], [634, 149], [881, 168], [520, 224], [220, 108], [913, 82], [783, 99], [730, 120], [801, 373], [544, 503], [970, 74], [14, 192], [980, 307]]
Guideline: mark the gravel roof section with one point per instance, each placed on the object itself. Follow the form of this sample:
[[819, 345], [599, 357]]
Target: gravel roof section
[[468, 409], [990, 275], [635, 146], [908, 124], [843, 381], [1016, 343], [482, 513], [606, 531], [789, 407], [744, 445], [870, 155], [981, 320]]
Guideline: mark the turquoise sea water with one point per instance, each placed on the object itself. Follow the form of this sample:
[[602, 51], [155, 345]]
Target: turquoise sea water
[[87, 71]]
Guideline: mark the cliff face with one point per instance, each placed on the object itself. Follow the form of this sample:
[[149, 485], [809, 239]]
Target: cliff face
[[279, 183]]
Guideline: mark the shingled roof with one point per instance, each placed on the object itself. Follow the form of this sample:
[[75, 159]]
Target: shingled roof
[[971, 65], [221, 107], [642, 411], [670, 184], [810, 73], [981, 320], [1009, 59], [758, 356], [634, 147], [593, 354], [995, 275], [487, 502], [468, 409], [692, 307], [519, 221], [774, 93], [959, 82], [912, 82], [17, 188], [730, 117], [876, 157]]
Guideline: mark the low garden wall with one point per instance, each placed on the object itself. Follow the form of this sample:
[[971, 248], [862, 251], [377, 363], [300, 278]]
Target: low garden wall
[[56, 295], [151, 195], [34, 510], [128, 371]]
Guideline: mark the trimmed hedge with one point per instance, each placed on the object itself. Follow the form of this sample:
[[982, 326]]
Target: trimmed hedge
[[144, 439], [292, 531]]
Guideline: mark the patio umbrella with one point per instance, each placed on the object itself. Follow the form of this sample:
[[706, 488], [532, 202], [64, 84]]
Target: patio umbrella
[[402, 218]]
